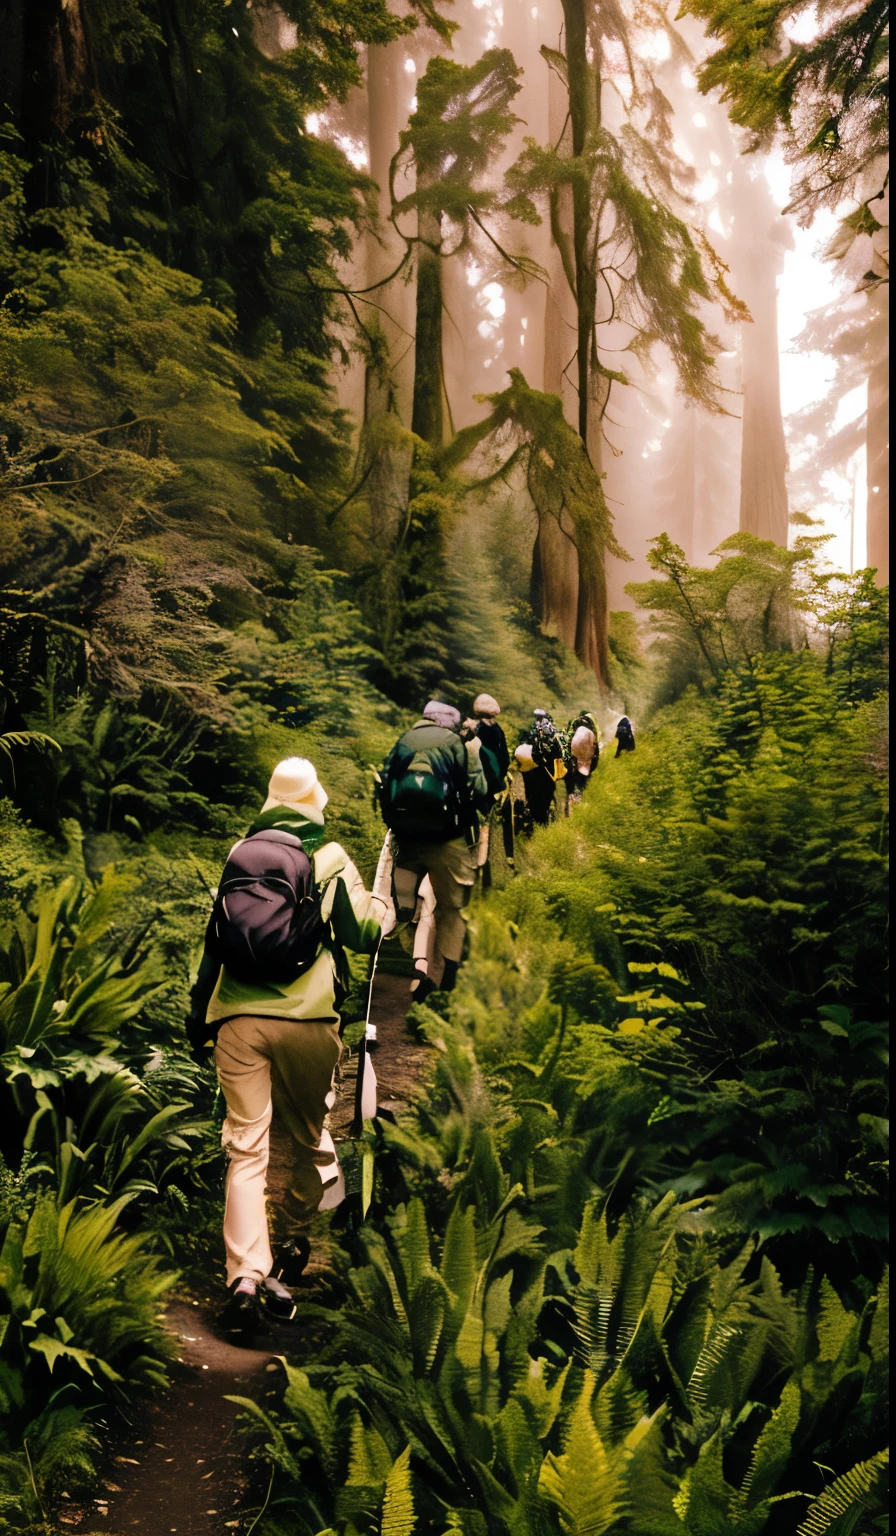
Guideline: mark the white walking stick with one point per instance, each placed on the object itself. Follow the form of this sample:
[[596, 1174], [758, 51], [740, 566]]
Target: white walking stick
[[365, 1083]]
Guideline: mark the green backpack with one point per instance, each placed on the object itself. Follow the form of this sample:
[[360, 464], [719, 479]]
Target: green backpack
[[420, 797]]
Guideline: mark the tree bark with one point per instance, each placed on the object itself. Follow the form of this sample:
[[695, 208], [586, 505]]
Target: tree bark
[[571, 602], [12, 56], [877, 443], [555, 578], [56, 61], [428, 414], [387, 387], [760, 237], [584, 117]]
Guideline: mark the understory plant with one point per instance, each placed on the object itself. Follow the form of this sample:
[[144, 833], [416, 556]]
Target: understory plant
[[632, 1384], [624, 1268], [85, 1145]]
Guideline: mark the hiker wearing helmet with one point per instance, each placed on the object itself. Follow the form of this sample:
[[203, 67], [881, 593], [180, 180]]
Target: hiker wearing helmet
[[584, 751], [541, 755], [431, 786], [495, 759], [267, 1000]]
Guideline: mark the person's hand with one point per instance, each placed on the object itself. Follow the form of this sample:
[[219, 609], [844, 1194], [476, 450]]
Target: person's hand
[[199, 1036]]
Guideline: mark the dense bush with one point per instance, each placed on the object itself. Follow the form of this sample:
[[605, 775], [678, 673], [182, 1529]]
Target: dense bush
[[86, 1144], [624, 1267]]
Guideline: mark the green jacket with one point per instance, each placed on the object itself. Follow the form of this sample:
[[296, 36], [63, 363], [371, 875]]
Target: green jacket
[[353, 917], [460, 761]]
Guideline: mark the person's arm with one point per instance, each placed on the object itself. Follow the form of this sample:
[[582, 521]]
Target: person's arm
[[201, 993], [503, 753], [354, 914], [477, 784]]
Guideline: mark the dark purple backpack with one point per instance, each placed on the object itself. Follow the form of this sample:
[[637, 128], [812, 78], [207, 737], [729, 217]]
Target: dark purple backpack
[[267, 918]]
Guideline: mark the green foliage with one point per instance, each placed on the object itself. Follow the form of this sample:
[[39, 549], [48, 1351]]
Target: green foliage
[[713, 619], [662, 273], [708, 1001], [708, 621], [826, 98], [84, 1142], [633, 1385], [558, 475], [80, 1318], [460, 123]]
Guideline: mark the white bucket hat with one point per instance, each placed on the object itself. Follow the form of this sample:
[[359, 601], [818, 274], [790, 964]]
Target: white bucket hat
[[295, 786], [484, 704]]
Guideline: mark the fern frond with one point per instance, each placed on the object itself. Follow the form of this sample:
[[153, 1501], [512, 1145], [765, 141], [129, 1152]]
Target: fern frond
[[587, 1482], [847, 1494], [398, 1517]]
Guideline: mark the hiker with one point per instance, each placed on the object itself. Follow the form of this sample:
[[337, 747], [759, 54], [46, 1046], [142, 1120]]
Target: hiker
[[584, 751], [625, 736], [430, 789], [541, 755], [267, 997], [495, 759]]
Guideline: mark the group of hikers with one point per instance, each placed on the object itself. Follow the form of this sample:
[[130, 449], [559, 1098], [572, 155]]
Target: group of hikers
[[274, 974]]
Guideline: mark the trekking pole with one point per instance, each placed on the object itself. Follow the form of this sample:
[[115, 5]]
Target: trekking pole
[[365, 1081], [370, 1029]]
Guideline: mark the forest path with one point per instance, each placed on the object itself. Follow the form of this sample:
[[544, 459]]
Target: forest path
[[179, 1466]]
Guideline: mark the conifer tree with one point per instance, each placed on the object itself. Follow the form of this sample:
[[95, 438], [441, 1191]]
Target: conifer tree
[[612, 188], [827, 98], [852, 333], [760, 238], [461, 121], [527, 431], [827, 101], [697, 492]]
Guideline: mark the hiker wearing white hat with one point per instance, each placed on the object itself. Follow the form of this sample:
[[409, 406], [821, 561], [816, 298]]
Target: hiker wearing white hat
[[295, 786], [266, 1000]]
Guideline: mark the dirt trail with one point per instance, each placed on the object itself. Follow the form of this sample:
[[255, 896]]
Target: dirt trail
[[179, 1467]]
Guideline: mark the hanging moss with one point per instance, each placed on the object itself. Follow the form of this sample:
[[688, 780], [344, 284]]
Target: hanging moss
[[528, 430]]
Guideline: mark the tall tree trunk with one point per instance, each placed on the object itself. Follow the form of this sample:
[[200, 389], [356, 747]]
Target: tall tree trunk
[[428, 414], [760, 237], [569, 593], [877, 444], [555, 559], [12, 56], [45, 68], [387, 377], [584, 119], [386, 386]]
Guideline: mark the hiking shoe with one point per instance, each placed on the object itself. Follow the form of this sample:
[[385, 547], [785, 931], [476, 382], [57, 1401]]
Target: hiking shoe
[[423, 989], [278, 1301], [241, 1312], [292, 1256]]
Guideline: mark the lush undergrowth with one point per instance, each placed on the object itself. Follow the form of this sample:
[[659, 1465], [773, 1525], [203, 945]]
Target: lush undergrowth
[[624, 1270]]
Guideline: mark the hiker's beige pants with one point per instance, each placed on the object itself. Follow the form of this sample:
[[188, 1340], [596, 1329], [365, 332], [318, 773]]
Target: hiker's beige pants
[[263, 1064], [451, 868], [424, 910]]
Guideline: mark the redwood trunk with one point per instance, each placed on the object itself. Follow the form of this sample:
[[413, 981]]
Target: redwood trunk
[[877, 444], [428, 416], [760, 239]]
